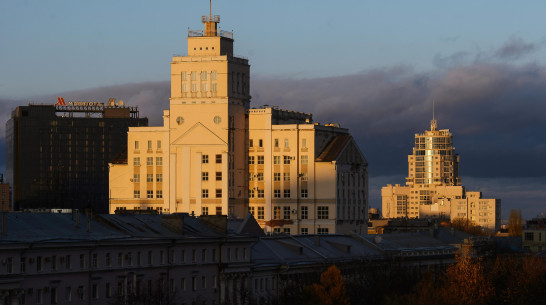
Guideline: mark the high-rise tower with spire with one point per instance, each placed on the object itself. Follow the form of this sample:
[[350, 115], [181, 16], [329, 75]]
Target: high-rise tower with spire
[[433, 186]]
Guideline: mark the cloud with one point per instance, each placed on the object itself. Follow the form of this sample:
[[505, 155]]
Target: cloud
[[515, 48]]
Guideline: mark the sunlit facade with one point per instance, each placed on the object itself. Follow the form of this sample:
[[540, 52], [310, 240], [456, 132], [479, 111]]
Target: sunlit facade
[[433, 187], [215, 155]]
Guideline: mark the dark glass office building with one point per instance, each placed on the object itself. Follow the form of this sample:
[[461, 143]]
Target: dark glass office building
[[57, 155]]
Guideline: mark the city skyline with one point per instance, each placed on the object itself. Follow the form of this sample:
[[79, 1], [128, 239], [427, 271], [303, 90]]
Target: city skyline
[[488, 94]]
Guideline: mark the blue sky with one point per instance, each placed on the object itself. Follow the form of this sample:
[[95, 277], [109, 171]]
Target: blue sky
[[373, 66], [51, 46]]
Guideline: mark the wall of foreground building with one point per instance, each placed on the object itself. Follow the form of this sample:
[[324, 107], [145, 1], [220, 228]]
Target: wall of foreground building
[[179, 259]]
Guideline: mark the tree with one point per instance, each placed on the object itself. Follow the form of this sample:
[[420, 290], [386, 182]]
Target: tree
[[467, 226], [515, 223], [330, 290]]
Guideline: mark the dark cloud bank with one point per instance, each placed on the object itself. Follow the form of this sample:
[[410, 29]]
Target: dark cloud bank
[[496, 112]]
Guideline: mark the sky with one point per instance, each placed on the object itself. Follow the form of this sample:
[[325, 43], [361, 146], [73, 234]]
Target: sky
[[372, 66]]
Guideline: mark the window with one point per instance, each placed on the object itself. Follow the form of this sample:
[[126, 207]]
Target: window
[[149, 194], [68, 294], [136, 161], [276, 143], [218, 193], [303, 143], [136, 145], [23, 265], [304, 193], [214, 87], [82, 261], [203, 75], [260, 143], [95, 260], [261, 213], [149, 145], [276, 159], [286, 143], [218, 210], [277, 193], [136, 194], [95, 291], [218, 176], [304, 159], [250, 193], [184, 76], [286, 159], [529, 236], [159, 194], [149, 177], [205, 159], [136, 178], [219, 158], [204, 210], [9, 265], [260, 193], [159, 161], [158, 145], [205, 176], [204, 193], [304, 231], [260, 159], [304, 177], [194, 87], [322, 231], [203, 87], [184, 87], [159, 177], [251, 210], [286, 193], [286, 212], [250, 143], [194, 75], [322, 212], [150, 161], [250, 160], [276, 176], [286, 230], [286, 176], [39, 297], [260, 176], [276, 212], [304, 212]]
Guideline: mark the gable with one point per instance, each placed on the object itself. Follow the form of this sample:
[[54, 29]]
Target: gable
[[198, 134]]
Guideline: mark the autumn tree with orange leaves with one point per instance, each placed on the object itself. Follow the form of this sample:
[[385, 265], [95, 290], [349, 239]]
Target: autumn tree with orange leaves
[[330, 291]]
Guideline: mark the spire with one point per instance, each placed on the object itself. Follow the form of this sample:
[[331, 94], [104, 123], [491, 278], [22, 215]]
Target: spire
[[433, 123]]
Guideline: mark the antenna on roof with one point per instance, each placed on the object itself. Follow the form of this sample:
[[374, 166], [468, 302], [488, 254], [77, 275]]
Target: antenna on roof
[[210, 9], [433, 123]]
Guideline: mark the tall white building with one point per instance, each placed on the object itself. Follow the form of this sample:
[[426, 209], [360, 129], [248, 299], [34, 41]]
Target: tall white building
[[215, 155]]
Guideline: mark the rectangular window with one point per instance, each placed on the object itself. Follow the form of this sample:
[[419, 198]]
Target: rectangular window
[[204, 210], [159, 177], [322, 231], [214, 87], [304, 159], [149, 194], [276, 176], [286, 212], [286, 159], [304, 177], [205, 176], [213, 75], [194, 75], [276, 212], [159, 161], [95, 291], [250, 143], [286, 193], [218, 210], [95, 260], [276, 143], [304, 231], [277, 193], [260, 143], [204, 193], [286, 176], [322, 212], [159, 194], [218, 176], [203, 87], [286, 143], [276, 159], [251, 210], [149, 145], [205, 159], [184, 76], [136, 161], [82, 261], [136, 194], [260, 176], [304, 212], [136, 177], [68, 294], [218, 158], [261, 213], [137, 144], [149, 177], [250, 193], [218, 193], [184, 87], [250, 160], [194, 87], [23, 264], [203, 75], [158, 145], [149, 161], [303, 143], [260, 193], [304, 193], [260, 160], [286, 230]]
